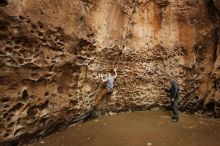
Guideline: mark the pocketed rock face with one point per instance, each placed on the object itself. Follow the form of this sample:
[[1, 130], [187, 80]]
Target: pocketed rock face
[[52, 53]]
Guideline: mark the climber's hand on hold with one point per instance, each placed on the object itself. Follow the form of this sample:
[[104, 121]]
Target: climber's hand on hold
[[103, 78]]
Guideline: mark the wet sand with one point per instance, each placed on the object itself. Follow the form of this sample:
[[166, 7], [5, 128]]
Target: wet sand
[[138, 129]]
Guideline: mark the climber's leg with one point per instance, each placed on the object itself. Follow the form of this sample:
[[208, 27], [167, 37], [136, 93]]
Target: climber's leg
[[103, 93]]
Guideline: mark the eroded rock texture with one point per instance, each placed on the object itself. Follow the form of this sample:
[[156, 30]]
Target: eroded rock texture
[[53, 51]]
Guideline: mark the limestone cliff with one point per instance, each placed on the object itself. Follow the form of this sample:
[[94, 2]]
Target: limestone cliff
[[52, 53]]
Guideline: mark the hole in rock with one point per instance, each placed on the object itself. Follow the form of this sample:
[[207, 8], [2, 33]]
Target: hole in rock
[[57, 39], [32, 112], [29, 21], [51, 68], [91, 35], [16, 47], [43, 41], [45, 105], [18, 106], [3, 3], [20, 120], [5, 115], [60, 89], [197, 98], [19, 40], [29, 60], [6, 106], [73, 102], [5, 99], [24, 94], [33, 96], [11, 62], [41, 25], [46, 93], [9, 118], [34, 26], [8, 49], [21, 17], [35, 75], [40, 34], [60, 44], [10, 124], [21, 60], [202, 69], [6, 135]]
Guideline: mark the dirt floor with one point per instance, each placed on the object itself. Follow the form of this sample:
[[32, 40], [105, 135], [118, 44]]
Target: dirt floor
[[139, 129]]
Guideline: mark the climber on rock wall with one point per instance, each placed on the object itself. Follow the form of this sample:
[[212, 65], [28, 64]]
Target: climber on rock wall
[[174, 90], [109, 80], [107, 90]]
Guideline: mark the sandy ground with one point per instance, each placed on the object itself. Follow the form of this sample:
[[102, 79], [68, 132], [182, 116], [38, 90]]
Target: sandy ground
[[138, 129]]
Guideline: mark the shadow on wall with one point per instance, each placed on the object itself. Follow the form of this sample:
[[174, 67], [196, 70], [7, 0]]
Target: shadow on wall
[[212, 7], [3, 3]]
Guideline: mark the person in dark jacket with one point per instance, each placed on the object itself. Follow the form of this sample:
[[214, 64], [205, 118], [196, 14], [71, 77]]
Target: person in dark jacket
[[174, 90]]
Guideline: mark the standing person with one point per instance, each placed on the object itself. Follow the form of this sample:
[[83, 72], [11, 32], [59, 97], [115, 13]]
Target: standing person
[[109, 80], [174, 90]]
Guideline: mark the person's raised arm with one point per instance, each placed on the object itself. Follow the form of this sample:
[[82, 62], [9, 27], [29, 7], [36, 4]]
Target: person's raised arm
[[115, 76]]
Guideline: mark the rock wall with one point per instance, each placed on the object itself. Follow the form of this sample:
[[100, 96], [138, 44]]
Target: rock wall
[[52, 53]]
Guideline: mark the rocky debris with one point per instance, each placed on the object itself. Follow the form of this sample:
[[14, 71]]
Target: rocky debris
[[52, 53]]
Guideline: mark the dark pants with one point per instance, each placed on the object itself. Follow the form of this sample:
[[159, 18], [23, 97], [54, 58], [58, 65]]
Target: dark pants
[[174, 105]]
